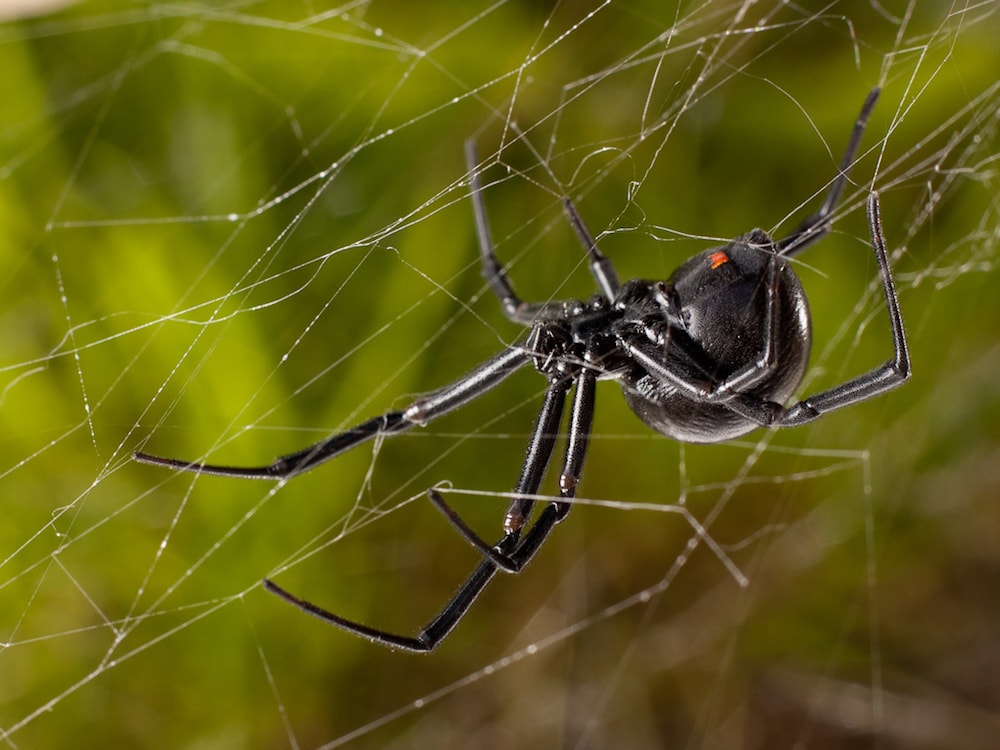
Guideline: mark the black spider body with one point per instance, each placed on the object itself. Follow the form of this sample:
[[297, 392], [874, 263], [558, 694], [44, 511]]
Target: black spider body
[[710, 354], [722, 314]]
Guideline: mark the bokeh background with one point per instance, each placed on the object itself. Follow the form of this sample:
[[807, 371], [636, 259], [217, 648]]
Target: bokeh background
[[228, 230]]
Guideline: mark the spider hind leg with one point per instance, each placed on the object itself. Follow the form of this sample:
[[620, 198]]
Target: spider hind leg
[[816, 226], [513, 551]]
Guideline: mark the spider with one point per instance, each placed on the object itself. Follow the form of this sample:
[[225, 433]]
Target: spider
[[710, 354]]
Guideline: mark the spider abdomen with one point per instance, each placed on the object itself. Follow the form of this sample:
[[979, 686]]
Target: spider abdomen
[[739, 327]]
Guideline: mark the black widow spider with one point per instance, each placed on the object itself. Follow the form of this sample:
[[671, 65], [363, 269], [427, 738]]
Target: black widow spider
[[710, 354]]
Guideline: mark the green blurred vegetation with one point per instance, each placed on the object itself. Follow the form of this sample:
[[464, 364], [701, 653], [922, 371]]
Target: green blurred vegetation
[[229, 230]]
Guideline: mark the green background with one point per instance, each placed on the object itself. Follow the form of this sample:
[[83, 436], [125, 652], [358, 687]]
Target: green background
[[227, 231]]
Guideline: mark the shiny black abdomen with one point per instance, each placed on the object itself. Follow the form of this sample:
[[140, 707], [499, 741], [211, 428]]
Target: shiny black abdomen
[[724, 329]]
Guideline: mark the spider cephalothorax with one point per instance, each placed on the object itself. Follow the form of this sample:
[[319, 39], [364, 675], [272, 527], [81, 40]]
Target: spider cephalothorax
[[708, 355]]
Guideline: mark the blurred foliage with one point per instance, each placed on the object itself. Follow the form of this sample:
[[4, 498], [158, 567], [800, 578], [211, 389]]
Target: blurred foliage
[[229, 230]]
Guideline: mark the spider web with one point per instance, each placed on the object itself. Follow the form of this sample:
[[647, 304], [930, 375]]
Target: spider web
[[230, 230]]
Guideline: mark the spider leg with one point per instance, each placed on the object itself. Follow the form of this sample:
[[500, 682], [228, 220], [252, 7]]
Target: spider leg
[[601, 267], [422, 410], [516, 309], [581, 420], [536, 459], [872, 383], [429, 637], [817, 225], [386, 639]]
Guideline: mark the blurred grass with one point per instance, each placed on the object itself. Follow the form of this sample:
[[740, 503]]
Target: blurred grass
[[176, 264]]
